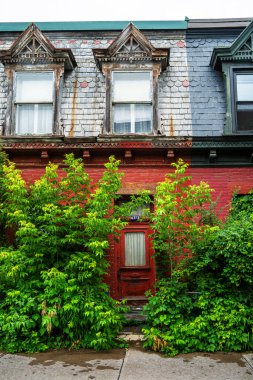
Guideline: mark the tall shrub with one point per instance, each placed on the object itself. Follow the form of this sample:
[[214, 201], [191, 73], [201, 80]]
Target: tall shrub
[[177, 218], [52, 289], [207, 304]]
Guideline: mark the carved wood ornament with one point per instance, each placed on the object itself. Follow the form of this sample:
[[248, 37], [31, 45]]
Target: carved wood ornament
[[33, 47], [131, 46]]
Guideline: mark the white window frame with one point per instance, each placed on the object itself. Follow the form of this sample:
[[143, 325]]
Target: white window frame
[[34, 103], [132, 103]]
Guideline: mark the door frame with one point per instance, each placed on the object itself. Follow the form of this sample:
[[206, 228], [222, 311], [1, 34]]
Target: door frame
[[148, 269]]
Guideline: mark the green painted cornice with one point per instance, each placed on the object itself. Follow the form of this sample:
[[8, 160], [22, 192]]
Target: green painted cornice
[[94, 25], [241, 50]]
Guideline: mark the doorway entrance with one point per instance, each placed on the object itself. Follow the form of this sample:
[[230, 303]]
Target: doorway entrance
[[135, 269]]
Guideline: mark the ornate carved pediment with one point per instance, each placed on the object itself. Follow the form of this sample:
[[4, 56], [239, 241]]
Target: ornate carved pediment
[[131, 46], [240, 51], [33, 47]]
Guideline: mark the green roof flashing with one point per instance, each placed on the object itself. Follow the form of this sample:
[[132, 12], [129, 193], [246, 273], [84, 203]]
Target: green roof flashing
[[93, 25]]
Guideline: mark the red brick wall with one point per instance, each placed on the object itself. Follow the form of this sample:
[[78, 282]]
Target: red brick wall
[[224, 180]]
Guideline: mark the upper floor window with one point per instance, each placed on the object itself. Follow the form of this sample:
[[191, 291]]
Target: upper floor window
[[131, 66], [243, 101], [35, 70], [34, 103], [132, 102], [236, 64]]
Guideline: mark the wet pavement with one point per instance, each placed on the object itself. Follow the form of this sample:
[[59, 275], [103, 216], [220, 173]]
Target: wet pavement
[[132, 364]]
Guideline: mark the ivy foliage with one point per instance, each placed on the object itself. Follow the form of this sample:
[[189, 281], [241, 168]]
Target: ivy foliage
[[53, 260], [207, 305]]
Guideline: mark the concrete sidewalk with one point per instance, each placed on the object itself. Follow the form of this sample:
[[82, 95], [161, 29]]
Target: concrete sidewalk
[[132, 364]]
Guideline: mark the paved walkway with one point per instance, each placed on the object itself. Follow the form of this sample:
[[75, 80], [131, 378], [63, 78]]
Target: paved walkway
[[133, 364]]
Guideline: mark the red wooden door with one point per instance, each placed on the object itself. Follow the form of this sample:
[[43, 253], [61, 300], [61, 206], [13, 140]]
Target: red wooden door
[[135, 272]]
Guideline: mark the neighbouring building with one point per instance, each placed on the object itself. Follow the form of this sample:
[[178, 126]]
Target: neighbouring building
[[148, 93]]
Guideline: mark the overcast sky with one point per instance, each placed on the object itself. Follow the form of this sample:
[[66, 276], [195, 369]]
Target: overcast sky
[[129, 10]]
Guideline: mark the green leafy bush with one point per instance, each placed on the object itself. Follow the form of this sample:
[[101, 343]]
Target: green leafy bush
[[52, 286], [207, 305], [176, 220]]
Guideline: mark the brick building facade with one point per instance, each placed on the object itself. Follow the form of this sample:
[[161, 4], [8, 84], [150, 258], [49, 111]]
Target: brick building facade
[[147, 92]]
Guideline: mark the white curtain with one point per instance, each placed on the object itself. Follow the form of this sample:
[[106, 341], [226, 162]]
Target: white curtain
[[122, 118], [34, 118], [25, 119], [142, 118], [135, 249], [45, 114]]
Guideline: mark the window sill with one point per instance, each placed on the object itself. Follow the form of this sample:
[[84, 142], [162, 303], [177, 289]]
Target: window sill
[[131, 136]]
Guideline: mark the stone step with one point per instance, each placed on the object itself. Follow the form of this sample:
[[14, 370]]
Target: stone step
[[135, 313]]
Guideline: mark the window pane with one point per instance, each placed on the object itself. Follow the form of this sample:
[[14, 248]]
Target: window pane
[[34, 119], [25, 119], [135, 250], [244, 87], [131, 87], [34, 87], [245, 117], [45, 115], [143, 117], [122, 118]]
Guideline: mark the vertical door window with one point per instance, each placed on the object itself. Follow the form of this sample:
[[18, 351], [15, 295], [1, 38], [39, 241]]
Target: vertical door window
[[34, 102], [132, 102], [135, 249], [244, 101]]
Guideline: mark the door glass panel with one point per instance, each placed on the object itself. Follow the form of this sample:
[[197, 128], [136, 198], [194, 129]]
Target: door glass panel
[[135, 249]]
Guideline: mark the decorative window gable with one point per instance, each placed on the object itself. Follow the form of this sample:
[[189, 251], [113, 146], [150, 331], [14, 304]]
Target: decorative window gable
[[236, 63], [35, 70], [131, 46], [131, 65], [33, 47], [240, 51]]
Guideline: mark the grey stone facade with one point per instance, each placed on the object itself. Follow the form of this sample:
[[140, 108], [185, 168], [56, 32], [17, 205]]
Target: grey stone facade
[[191, 94]]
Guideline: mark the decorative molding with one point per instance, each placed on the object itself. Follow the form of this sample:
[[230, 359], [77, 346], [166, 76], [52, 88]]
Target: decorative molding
[[33, 47], [168, 144], [172, 144], [222, 144], [135, 144], [240, 51], [131, 46]]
